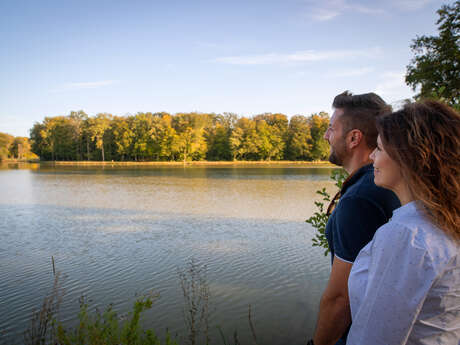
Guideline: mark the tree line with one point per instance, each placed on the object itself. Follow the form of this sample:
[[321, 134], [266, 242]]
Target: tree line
[[180, 137], [15, 147]]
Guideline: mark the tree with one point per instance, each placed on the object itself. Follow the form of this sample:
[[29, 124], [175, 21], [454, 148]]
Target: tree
[[77, 119], [243, 140], [190, 143], [272, 132], [64, 134], [122, 136], [435, 67], [142, 126], [218, 141], [5, 142], [299, 143], [97, 127], [217, 135], [318, 126], [162, 137], [38, 137], [20, 148]]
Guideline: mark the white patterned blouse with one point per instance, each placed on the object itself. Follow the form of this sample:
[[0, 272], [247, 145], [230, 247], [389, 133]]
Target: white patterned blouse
[[404, 286]]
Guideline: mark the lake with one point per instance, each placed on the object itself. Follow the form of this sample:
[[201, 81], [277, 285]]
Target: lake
[[117, 233]]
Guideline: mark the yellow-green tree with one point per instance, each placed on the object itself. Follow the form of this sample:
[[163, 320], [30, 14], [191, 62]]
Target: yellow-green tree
[[5, 142], [243, 140], [299, 139], [318, 126], [162, 137], [20, 148], [97, 128], [122, 136]]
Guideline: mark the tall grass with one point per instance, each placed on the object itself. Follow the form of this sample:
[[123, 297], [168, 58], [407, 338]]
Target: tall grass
[[43, 322], [195, 288], [108, 328]]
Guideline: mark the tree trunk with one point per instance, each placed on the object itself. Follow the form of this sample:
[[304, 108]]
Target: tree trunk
[[103, 158], [87, 148]]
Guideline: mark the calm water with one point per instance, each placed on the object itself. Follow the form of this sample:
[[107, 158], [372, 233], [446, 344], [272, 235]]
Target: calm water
[[117, 233]]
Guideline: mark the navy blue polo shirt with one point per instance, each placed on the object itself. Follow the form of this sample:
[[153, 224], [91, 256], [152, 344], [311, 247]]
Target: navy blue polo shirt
[[362, 209]]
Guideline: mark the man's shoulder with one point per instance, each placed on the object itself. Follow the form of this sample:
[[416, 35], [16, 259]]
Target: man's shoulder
[[365, 189]]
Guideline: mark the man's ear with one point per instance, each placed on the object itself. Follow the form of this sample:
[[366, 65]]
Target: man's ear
[[354, 138]]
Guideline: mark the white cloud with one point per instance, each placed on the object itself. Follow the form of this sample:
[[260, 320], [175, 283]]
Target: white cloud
[[84, 85], [323, 10], [365, 9], [298, 57], [89, 85], [392, 87]]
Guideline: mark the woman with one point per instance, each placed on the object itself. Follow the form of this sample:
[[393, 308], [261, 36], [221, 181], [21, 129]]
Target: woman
[[404, 286]]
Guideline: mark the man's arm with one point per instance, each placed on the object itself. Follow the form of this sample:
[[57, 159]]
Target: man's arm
[[334, 310]]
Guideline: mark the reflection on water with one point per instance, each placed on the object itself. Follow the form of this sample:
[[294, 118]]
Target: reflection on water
[[118, 232]]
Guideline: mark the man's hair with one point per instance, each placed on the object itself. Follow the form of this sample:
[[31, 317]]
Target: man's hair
[[360, 112], [424, 140]]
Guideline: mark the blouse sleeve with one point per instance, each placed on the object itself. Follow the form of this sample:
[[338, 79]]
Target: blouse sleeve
[[400, 274]]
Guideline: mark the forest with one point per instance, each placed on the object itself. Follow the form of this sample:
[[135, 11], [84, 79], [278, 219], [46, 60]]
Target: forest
[[180, 137]]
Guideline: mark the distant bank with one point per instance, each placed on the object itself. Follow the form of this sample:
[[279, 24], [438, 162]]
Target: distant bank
[[192, 163]]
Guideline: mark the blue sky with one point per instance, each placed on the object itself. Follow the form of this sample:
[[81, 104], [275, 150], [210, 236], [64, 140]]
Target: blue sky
[[246, 57]]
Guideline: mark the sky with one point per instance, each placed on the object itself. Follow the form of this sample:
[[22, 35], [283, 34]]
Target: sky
[[242, 56]]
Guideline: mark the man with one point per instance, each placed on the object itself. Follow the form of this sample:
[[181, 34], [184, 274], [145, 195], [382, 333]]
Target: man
[[362, 209]]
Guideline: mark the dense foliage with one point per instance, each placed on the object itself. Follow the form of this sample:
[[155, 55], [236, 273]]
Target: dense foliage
[[435, 68], [14, 147], [180, 137]]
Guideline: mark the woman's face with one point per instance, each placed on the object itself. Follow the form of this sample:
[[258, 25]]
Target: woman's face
[[387, 173]]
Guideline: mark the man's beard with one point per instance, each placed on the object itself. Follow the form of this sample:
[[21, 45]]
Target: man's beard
[[338, 153]]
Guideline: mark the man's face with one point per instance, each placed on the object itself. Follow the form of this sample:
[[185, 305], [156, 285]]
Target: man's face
[[336, 138]]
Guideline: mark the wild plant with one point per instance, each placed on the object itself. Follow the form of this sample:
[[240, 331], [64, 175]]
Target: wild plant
[[320, 217], [195, 289], [43, 321]]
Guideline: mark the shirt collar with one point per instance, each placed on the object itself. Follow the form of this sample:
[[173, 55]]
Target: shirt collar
[[409, 208], [355, 176]]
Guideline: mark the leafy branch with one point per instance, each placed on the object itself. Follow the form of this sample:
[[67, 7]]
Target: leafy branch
[[320, 217]]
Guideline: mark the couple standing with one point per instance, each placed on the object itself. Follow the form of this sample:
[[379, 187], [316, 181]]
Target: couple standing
[[401, 286]]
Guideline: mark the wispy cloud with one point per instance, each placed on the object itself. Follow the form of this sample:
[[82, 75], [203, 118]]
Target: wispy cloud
[[84, 85], [299, 57], [90, 84], [411, 5], [323, 10], [326, 13]]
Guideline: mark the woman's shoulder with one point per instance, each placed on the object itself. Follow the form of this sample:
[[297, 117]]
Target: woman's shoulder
[[411, 230]]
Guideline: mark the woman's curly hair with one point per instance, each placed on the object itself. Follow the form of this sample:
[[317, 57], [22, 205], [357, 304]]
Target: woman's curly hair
[[424, 140]]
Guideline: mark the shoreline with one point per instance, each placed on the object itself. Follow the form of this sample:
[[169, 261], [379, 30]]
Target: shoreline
[[190, 163]]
